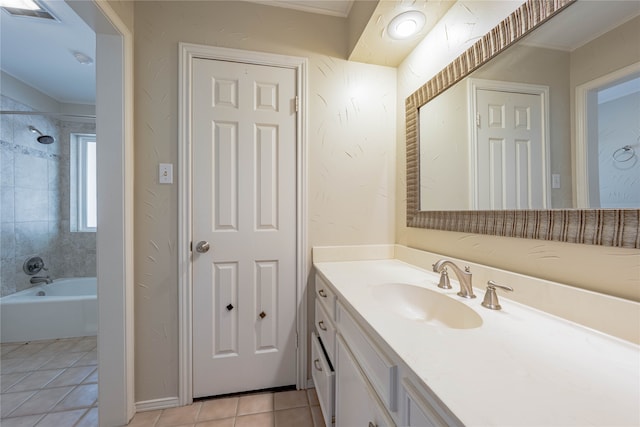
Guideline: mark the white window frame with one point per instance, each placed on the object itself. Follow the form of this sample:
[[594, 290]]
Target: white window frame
[[78, 182]]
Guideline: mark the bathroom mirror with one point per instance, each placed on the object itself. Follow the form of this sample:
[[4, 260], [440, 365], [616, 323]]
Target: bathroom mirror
[[553, 218]]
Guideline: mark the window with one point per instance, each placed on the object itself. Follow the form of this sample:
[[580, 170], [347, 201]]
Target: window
[[83, 183]]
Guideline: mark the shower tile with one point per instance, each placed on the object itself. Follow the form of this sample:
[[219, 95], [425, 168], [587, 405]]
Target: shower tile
[[7, 208], [64, 189], [31, 172], [6, 128], [7, 240], [31, 205], [31, 238], [6, 166], [53, 173], [54, 204], [8, 279]]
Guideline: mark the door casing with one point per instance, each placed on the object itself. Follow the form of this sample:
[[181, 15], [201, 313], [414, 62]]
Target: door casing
[[583, 178], [187, 53], [477, 84]]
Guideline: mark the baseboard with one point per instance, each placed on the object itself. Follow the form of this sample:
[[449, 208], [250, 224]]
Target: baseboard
[[152, 405]]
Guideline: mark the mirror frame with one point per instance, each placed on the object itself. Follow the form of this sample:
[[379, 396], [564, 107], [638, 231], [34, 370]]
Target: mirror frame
[[605, 227]]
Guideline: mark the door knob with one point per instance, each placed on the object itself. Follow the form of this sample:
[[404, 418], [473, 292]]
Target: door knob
[[202, 246]]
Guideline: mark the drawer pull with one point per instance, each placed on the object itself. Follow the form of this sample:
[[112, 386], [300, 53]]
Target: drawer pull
[[322, 293], [321, 325], [316, 363]]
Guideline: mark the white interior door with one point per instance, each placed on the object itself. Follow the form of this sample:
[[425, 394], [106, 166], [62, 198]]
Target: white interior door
[[244, 206], [511, 160]]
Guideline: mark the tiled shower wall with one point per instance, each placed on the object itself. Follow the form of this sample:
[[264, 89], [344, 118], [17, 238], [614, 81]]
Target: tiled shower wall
[[34, 209]]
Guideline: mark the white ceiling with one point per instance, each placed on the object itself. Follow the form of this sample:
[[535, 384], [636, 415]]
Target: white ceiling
[[38, 53], [583, 22], [325, 7]]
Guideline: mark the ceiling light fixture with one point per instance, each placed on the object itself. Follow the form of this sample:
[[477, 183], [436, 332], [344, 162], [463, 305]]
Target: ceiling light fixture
[[26, 8], [82, 58], [406, 25], [20, 4]]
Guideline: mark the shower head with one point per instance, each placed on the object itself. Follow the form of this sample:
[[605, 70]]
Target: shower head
[[42, 139]]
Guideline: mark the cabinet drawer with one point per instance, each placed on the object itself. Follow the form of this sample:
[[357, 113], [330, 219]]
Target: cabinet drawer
[[381, 370], [326, 296], [326, 330], [324, 380]]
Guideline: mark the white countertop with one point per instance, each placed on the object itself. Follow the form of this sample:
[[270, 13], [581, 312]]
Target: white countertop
[[521, 367]]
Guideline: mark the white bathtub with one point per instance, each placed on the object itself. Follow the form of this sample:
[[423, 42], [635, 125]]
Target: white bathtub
[[68, 308]]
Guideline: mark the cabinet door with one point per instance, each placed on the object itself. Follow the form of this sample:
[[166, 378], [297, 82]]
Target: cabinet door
[[356, 402], [420, 410]]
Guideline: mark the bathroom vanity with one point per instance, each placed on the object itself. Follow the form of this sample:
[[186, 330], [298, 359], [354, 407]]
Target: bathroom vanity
[[381, 358]]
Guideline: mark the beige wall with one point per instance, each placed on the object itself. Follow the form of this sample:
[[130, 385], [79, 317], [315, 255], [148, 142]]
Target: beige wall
[[609, 270], [125, 11], [351, 149]]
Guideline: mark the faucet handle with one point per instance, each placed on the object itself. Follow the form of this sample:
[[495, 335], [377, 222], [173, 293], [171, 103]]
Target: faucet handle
[[491, 297], [444, 279]]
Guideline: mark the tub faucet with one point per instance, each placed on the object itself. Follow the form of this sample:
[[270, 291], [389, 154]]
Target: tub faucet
[[40, 279], [464, 277]]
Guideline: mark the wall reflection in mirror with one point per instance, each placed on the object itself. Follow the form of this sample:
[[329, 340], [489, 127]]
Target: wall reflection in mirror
[[551, 123]]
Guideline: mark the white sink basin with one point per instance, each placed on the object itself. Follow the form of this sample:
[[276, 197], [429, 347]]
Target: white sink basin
[[421, 304]]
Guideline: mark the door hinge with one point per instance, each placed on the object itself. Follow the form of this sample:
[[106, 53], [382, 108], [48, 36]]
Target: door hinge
[[296, 340], [297, 101], [478, 120], [191, 246]]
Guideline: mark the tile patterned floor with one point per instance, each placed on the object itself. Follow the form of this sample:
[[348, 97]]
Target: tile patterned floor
[[298, 408], [49, 383], [55, 384]]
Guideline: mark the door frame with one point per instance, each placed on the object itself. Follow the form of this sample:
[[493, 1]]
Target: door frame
[[473, 86], [187, 54], [584, 138], [114, 246]]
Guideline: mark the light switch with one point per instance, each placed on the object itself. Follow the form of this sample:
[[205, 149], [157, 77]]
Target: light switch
[[555, 180], [165, 171]]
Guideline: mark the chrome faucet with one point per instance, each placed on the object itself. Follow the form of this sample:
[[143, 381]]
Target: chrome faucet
[[464, 277], [40, 279]]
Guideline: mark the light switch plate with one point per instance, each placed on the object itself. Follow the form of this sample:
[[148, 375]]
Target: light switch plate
[[165, 173]]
